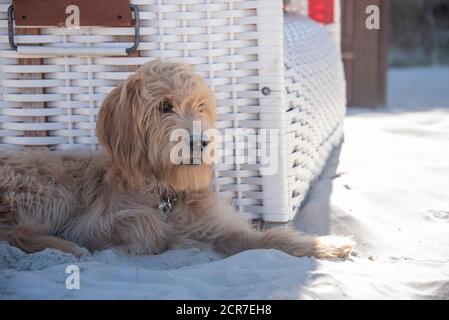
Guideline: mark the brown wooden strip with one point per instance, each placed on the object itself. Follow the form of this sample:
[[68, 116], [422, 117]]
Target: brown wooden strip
[[32, 76], [108, 13], [365, 53]]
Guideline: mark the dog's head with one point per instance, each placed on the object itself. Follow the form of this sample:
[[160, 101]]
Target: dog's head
[[137, 121]]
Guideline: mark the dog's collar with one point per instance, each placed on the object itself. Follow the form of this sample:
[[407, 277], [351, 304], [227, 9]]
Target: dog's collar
[[166, 206]]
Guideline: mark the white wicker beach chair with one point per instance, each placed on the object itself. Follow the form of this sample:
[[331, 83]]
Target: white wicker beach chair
[[266, 71]]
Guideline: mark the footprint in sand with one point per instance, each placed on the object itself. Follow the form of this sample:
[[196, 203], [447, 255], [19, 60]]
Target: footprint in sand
[[437, 215]]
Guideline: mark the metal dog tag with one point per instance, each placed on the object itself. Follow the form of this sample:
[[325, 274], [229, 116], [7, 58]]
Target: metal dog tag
[[165, 207]]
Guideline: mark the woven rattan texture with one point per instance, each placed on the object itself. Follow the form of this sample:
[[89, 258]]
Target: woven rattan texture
[[238, 46]]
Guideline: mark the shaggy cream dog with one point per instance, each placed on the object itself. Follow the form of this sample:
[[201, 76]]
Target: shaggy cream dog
[[133, 197]]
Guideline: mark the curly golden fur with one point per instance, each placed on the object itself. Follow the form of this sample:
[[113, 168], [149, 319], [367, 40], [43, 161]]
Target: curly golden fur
[[79, 201]]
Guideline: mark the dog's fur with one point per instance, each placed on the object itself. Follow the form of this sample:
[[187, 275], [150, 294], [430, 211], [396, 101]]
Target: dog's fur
[[73, 201]]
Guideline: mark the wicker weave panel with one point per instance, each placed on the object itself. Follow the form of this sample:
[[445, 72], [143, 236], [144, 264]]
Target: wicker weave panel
[[237, 46], [315, 102]]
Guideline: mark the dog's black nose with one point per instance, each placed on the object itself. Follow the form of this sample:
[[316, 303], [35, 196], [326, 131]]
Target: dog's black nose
[[204, 144], [198, 143], [196, 147]]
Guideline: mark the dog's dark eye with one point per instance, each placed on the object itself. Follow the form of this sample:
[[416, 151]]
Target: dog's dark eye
[[201, 107], [166, 107]]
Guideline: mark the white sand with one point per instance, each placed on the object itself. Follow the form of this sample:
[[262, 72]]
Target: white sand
[[388, 188]]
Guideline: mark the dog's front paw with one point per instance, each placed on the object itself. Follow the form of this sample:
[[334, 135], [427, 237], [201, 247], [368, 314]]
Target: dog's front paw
[[333, 247], [79, 252]]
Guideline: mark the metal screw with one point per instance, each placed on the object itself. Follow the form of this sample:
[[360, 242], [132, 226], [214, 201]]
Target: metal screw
[[266, 91]]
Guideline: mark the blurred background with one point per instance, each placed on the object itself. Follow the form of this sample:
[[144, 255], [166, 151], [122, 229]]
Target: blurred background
[[412, 34], [419, 32]]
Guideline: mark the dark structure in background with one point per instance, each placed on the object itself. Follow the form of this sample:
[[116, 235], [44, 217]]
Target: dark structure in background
[[419, 32], [365, 53], [412, 33]]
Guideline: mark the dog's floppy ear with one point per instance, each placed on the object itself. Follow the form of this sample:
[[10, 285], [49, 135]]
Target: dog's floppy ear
[[120, 132]]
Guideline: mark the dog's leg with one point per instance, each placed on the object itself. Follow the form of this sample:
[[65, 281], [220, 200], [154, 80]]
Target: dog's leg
[[295, 244], [233, 241], [140, 231], [32, 239], [230, 234]]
